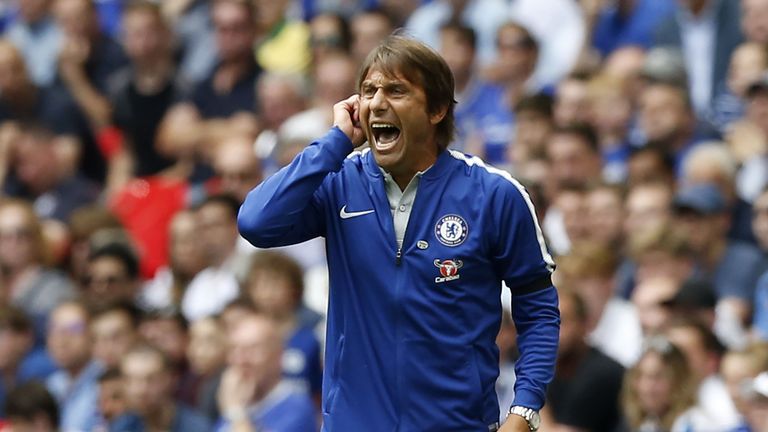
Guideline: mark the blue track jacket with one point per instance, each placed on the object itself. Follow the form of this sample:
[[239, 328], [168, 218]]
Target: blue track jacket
[[411, 332]]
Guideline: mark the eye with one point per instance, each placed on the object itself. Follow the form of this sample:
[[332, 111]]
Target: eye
[[368, 91]]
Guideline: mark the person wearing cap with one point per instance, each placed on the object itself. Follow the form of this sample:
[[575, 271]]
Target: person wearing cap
[[733, 267]]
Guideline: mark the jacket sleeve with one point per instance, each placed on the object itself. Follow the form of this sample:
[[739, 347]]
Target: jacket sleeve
[[287, 207], [526, 268]]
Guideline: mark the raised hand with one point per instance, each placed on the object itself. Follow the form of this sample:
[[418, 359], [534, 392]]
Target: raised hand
[[346, 116]]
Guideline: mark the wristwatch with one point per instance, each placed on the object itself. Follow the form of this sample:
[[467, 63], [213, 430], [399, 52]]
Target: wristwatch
[[530, 416]]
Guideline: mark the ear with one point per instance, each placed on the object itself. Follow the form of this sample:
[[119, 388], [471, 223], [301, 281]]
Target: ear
[[438, 116]]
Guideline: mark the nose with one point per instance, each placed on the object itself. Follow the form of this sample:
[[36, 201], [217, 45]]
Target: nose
[[379, 101]]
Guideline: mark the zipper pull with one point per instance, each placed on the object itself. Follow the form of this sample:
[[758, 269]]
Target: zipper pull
[[399, 255]]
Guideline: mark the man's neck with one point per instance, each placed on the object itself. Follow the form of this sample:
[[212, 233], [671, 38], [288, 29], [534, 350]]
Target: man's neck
[[151, 77]]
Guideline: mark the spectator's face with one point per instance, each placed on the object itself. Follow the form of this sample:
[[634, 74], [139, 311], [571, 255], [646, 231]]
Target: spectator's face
[[113, 336], [760, 220], [647, 209], [148, 384], [572, 327], [235, 32], [531, 131], [270, 12], [217, 232], [207, 346], [648, 166], [167, 335], [654, 264], [457, 53], [326, 36], [145, 39], [748, 63], [69, 341], [107, 280], [278, 100], [238, 167], [647, 297], [737, 369], [571, 102], [187, 257], [36, 162], [112, 398], [255, 349], [334, 80], [572, 205], [368, 30], [17, 238], [754, 20], [13, 72], [606, 216], [409, 142], [653, 385], [611, 113], [663, 113], [271, 293], [701, 231], [32, 11], [13, 347], [515, 55], [701, 362], [76, 18], [757, 109], [572, 161]]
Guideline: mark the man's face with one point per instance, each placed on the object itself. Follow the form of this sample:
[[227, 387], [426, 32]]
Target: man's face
[[754, 20], [255, 349], [606, 215], [757, 109], [107, 280], [689, 341], [573, 162], [748, 63], [13, 72], [113, 336], [144, 37], [572, 102], [112, 398], [207, 346], [663, 114], [218, 229], [234, 30], [186, 252], [13, 346], [394, 117], [648, 298], [647, 209], [17, 238], [515, 54], [147, 383], [32, 11], [458, 54], [238, 167], [167, 335], [75, 17], [653, 384], [69, 341]]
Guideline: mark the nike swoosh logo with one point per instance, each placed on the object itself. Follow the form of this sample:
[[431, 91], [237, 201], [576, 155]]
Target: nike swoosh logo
[[344, 215]]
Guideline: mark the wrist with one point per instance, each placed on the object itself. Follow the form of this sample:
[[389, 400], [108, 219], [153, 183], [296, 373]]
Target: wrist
[[530, 416]]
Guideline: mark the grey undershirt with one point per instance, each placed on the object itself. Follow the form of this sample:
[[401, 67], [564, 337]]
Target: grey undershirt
[[401, 202]]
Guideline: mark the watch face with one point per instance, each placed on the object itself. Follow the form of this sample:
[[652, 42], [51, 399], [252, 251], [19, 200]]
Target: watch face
[[535, 420]]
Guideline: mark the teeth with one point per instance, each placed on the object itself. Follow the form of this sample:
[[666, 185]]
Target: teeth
[[382, 125]]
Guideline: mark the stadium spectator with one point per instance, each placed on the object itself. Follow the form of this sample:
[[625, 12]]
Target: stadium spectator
[[276, 287], [574, 157], [368, 29], [605, 209], [206, 353], [112, 275], [149, 384], [754, 19], [330, 35], [29, 283], [114, 415], [192, 27], [585, 391], [660, 390], [31, 407], [703, 352], [35, 34], [572, 100], [626, 23], [167, 330], [20, 360], [253, 376], [75, 384], [610, 112], [740, 367], [114, 328]]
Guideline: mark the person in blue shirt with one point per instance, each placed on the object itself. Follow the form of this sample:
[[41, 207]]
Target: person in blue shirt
[[419, 240], [254, 395]]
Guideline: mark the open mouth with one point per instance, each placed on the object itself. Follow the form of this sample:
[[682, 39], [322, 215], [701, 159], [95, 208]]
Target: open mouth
[[385, 134]]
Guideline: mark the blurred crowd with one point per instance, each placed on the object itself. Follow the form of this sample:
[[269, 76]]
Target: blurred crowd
[[131, 131]]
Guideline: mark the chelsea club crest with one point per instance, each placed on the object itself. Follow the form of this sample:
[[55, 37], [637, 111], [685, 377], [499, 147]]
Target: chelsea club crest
[[451, 230]]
